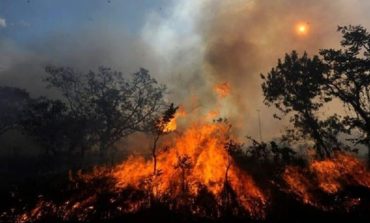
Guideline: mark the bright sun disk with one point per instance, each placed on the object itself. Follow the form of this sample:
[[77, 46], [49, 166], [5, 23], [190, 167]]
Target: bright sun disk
[[302, 29]]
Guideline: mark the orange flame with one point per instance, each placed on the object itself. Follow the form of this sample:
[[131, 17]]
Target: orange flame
[[203, 144], [330, 176], [172, 125], [333, 174], [222, 89]]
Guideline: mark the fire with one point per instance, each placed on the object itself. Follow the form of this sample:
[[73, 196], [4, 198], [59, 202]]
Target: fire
[[334, 174], [222, 89], [172, 125], [330, 176], [298, 184], [194, 171], [197, 159]]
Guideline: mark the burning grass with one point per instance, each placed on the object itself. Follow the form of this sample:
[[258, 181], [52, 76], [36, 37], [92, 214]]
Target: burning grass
[[334, 183], [196, 176]]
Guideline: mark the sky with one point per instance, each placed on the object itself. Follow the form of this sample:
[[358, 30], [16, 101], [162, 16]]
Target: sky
[[29, 20], [189, 45]]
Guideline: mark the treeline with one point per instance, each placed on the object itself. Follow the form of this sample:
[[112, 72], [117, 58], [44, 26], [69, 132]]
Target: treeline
[[91, 111], [300, 86]]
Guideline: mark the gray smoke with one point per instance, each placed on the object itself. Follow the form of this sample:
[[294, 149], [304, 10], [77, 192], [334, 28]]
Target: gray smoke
[[193, 45]]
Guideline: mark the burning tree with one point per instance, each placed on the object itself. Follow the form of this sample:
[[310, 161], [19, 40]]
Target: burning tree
[[160, 127]]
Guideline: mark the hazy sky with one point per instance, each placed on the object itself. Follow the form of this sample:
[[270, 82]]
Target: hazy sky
[[190, 45], [29, 20]]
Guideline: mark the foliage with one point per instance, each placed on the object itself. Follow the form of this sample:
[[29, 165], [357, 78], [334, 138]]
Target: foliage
[[46, 120], [107, 105], [12, 103], [349, 77], [295, 86], [303, 85]]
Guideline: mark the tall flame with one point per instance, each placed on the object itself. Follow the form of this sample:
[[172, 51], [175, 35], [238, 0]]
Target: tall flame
[[207, 162]]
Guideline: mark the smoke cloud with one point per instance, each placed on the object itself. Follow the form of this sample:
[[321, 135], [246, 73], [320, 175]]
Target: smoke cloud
[[211, 42], [192, 45]]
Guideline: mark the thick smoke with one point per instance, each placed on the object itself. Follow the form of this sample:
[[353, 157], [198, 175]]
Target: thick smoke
[[191, 45], [210, 42]]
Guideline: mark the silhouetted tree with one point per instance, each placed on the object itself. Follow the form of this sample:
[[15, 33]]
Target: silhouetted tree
[[45, 120], [348, 78], [295, 86], [258, 151], [159, 129], [304, 84], [283, 154], [13, 101], [107, 104]]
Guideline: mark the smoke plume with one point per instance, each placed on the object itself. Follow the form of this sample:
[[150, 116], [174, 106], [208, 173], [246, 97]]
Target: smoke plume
[[193, 46]]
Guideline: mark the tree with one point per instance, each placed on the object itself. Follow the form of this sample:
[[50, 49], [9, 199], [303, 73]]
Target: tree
[[107, 104], [348, 78], [160, 128], [12, 103], [45, 120], [295, 86]]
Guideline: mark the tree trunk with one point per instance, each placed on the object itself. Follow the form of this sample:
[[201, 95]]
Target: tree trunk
[[321, 148], [154, 155]]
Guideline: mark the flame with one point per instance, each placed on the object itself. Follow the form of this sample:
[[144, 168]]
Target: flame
[[334, 174], [222, 89], [330, 176], [203, 145], [172, 125], [198, 161]]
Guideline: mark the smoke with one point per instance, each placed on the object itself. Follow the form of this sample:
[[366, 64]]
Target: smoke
[[209, 42], [87, 49], [192, 45]]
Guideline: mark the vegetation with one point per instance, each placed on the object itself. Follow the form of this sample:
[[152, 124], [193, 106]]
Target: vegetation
[[205, 175], [302, 85]]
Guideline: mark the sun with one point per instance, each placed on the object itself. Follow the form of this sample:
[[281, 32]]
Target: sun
[[302, 28]]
